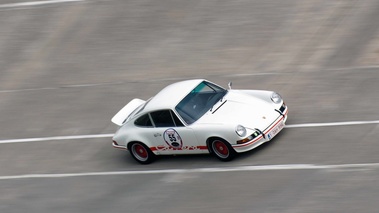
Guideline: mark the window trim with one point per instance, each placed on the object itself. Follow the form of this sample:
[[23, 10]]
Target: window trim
[[152, 120], [172, 113]]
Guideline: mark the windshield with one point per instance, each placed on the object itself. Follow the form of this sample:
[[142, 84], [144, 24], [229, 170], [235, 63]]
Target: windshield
[[199, 101]]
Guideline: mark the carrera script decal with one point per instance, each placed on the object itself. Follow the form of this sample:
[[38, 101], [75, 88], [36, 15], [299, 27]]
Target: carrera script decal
[[173, 139], [166, 148]]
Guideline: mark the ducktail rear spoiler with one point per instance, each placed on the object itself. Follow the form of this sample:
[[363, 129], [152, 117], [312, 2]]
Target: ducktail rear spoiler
[[120, 117]]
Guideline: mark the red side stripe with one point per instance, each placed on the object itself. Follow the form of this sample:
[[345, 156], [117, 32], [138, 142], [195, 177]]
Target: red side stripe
[[156, 148]]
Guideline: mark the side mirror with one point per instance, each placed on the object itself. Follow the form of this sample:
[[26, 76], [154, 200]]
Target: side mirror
[[230, 85]]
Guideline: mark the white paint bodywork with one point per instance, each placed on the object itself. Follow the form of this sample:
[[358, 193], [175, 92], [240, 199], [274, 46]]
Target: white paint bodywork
[[252, 109]]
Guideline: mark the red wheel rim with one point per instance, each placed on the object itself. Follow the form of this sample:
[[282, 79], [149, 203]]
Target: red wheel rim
[[221, 149], [140, 152]]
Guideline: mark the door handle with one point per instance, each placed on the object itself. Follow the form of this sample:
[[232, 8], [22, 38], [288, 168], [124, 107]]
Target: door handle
[[157, 135]]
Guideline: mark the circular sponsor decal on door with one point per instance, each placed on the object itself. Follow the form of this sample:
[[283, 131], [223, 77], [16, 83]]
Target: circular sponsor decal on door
[[172, 138]]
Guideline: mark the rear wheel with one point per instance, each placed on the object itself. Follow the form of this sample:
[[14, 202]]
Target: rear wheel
[[141, 153], [221, 149]]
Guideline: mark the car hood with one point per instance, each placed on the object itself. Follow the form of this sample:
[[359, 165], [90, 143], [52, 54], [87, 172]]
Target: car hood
[[241, 108]]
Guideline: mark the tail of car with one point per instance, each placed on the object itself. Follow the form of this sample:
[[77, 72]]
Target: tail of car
[[127, 110]]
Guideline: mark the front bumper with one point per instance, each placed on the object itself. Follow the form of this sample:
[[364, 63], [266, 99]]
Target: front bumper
[[268, 134]]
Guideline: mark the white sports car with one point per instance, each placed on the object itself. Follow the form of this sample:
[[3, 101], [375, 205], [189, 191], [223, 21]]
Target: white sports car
[[198, 116]]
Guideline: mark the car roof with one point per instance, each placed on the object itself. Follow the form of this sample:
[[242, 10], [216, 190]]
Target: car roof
[[171, 95]]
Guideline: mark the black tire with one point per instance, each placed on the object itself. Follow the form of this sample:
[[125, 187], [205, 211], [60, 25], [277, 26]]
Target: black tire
[[221, 149], [141, 153]]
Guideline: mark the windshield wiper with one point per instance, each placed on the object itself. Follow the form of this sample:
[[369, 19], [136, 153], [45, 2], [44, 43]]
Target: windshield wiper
[[219, 100], [219, 106]]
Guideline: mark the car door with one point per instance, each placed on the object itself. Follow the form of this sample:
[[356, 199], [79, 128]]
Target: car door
[[172, 137]]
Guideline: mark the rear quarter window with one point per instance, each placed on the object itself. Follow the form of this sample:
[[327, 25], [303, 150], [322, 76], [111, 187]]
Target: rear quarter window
[[143, 121]]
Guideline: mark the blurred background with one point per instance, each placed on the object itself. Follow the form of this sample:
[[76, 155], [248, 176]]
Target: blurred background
[[67, 66]]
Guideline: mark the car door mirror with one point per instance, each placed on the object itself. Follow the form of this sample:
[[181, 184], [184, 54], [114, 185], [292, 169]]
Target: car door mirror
[[230, 85]]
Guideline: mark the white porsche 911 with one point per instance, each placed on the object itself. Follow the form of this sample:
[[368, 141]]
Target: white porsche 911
[[198, 116]]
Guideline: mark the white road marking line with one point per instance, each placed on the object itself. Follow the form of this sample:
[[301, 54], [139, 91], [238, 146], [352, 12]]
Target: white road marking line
[[126, 82], [92, 85], [35, 3], [347, 167], [164, 79], [347, 123], [74, 137], [253, 74], [360, 68], [63, 87], [25, 90]]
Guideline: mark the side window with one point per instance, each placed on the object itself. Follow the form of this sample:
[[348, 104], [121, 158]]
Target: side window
[[143, 121], [176, 119], [162, 118]]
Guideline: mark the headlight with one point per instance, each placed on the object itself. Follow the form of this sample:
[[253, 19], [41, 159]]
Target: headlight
[[241, 130], [276, 98]]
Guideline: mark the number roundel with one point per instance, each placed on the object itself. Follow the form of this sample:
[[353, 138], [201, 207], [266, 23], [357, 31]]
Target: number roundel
[[172, 138]]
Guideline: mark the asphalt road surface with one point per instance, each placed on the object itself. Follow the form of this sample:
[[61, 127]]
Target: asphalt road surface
[[66, 67]]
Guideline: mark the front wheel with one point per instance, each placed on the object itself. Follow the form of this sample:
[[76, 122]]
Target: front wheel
[[141, 153], [221, 149]]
